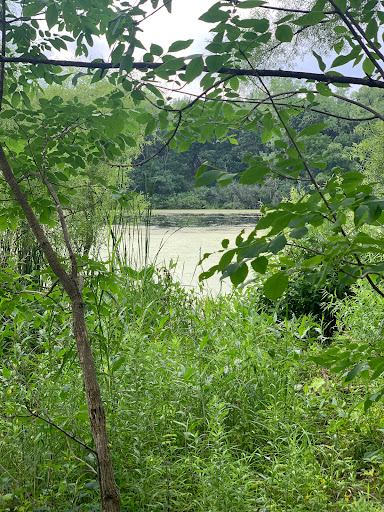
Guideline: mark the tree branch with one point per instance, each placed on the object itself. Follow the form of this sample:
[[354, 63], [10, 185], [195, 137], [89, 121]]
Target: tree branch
[[145, 66], [145, 161], [50, 422], [357, 37], [63, 223], [34, 224], [3, 50], [362, 32]]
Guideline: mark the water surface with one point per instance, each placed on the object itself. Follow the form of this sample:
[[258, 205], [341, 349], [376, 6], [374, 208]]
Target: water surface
[[183, 237]]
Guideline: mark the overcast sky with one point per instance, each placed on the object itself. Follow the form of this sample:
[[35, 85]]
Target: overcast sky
[[183, 23]]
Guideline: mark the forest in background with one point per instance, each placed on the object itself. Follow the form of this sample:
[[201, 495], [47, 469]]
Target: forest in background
[[169, 180]]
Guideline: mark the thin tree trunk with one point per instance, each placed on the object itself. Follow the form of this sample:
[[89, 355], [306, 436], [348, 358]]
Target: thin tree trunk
[[110, 499], [108, 489]]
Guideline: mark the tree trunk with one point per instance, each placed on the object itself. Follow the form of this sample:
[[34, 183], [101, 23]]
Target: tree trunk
[[110, 498]]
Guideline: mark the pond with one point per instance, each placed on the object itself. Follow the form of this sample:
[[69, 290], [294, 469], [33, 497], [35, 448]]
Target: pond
[[183, 237]]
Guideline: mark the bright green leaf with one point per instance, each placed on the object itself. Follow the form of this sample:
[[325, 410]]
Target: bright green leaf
[[214, 14], [355, 371], [313, 129], [260, 264], [277, 244], [254, 175], [312, 18]]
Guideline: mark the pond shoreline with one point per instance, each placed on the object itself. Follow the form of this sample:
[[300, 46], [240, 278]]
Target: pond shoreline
[[205, 212]]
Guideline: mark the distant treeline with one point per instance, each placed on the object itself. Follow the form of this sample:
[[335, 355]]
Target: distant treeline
[[169, 179]]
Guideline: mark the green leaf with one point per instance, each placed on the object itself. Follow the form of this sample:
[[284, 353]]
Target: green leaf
[[257, 25], [156, 50], [250, 4], [254, 175], [320, 61], [208, 177], [168, 5], [33, 8], [355, 371], [284, 33], [351, 179], [51, 15], [194, 69], [126, 63], [323, 89], [342, 5], [177, 46], [313, 129], [226, 259], [298, 233], [340, 29], [221, 130], [368, 67], [215, 62], [214, 14], [172, 64], [275, 286], [254, 250], [360, 213], [151, 126], [228, 111], [239, 276], [113, 125], [277, 244], [312, 18], [260, 264], [371, 30]]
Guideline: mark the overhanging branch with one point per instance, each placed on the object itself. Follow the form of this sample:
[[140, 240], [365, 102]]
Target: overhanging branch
[[145, 66]]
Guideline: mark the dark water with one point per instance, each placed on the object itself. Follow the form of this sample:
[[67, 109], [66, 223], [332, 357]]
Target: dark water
[[193, 218]]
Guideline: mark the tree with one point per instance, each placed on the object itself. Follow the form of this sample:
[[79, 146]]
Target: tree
[[42, 146]]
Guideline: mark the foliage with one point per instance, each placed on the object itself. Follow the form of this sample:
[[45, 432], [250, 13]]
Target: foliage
[[169, 178], [220, 407], [49, 146]]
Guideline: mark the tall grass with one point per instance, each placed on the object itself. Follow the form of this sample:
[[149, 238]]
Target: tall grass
[[211, 402]]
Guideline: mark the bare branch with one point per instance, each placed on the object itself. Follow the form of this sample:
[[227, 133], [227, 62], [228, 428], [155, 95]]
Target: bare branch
[[63, 223], [92, 469], [143, 162], [154, 12], [67, 434], [35, 226], [285, 9]]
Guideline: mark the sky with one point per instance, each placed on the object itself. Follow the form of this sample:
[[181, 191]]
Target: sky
[[183, 23], [163, 28]]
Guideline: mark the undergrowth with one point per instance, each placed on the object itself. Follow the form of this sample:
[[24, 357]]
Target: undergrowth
[[213, 404]]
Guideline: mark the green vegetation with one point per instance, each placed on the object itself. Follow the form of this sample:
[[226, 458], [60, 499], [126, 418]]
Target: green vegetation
[[212, 403], [119, 390], [170, 182]]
